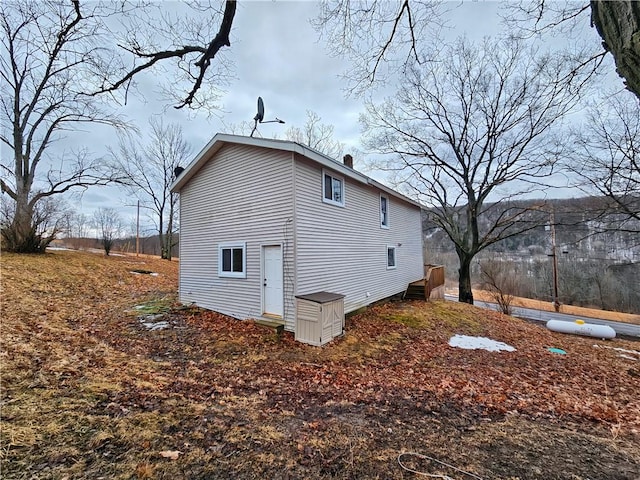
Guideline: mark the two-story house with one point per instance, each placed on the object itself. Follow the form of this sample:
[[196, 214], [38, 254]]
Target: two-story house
[[262, 221]]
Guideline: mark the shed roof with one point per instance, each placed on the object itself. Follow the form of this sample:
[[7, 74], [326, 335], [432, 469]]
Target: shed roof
[[221, 139], [321, 297]]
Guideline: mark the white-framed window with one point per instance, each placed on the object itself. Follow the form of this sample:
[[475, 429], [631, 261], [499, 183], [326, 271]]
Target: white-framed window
[[384, 211], [391, 257], [332, 189], [232, 260]]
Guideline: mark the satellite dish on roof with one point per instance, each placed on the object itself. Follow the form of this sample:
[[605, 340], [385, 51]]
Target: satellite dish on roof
[[260, 115], [259, 118]]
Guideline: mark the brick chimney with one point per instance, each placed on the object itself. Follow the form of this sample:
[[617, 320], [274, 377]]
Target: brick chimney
[[348, 160]]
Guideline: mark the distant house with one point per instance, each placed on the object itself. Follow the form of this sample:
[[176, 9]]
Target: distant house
[[263, 221]]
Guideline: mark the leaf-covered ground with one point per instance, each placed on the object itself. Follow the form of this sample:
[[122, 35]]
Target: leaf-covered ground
[[90, 392]]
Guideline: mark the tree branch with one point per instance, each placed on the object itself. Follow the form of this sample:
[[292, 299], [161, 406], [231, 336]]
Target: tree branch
[[220, 40]]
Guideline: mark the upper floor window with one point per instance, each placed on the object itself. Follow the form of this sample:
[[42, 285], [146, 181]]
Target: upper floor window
[[384, 211], [232, 260], [332, 189]]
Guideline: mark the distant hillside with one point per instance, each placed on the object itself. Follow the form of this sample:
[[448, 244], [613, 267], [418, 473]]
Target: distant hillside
[[598, 263], [580, 230]]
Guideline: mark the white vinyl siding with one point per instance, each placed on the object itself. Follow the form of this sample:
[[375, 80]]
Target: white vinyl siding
[[343, 250], [242, 193], [253, 197]]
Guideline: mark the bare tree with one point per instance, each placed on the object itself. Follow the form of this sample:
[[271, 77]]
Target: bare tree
[[190, 41], [617, 23], [314, 134], [473, 128], [501, 280], [108, 224], [62, 64], [317, 135], [148, 171], [241, 128], [383, 38], [79, 225], [380, 38], [50, 217], [608, 146]]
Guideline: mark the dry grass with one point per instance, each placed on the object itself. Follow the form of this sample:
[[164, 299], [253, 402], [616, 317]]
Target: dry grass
[[568, 309], [87, 392]]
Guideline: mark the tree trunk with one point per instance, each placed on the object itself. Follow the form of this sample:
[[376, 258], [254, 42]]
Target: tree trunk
[[464, 279], [107, 245], [168, 239], [169, 236], [165, 246], [618, 23], [165, 254], [21, 235]]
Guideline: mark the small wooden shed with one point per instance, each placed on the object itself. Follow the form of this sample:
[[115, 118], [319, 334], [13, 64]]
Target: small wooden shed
[[319, 317]]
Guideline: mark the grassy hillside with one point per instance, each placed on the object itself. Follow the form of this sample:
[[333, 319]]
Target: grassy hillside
[[89, 392]]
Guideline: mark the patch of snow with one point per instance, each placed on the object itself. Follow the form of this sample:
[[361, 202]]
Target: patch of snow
[[148, 322], [156, 326], [151, 274], [59, 248], [635, 352], [478, 343], [628, 357], [623, 350]]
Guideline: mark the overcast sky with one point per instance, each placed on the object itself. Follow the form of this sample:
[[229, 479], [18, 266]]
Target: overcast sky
[[277, 55]]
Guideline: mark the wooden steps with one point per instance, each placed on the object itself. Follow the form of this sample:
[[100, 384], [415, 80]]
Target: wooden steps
[[415, 291], [430, 287], [276, 325]]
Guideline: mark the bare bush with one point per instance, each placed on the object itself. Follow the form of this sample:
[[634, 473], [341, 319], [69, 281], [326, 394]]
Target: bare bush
[[500, 278]]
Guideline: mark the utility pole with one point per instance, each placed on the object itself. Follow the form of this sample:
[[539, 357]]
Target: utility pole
[[552, 226], [138, 231]]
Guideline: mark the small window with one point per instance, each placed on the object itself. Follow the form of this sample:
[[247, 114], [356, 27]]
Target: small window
[[391, 257], [232, 260], [384, 212], [332, 189]]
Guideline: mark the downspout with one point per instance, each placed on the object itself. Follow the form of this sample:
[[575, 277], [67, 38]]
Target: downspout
[[294, 227]]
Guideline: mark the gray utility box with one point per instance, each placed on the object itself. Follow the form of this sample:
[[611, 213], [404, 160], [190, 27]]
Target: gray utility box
[[319, 317]]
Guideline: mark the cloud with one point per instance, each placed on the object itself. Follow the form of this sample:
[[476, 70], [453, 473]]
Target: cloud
[[276, 55]]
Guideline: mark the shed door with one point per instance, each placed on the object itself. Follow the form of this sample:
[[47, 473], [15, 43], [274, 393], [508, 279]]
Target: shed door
[[272, 291], [338, 318]]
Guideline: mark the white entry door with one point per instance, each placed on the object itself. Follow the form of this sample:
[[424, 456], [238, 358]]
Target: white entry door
[[272, 282]]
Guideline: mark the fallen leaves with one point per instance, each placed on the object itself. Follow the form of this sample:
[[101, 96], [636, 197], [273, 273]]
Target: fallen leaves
[[74, 353]]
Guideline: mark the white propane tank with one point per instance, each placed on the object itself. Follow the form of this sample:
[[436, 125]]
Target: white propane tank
[[579, 327]]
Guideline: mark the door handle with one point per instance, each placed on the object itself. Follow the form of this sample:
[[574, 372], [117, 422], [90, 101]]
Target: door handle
[[265, 283]]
